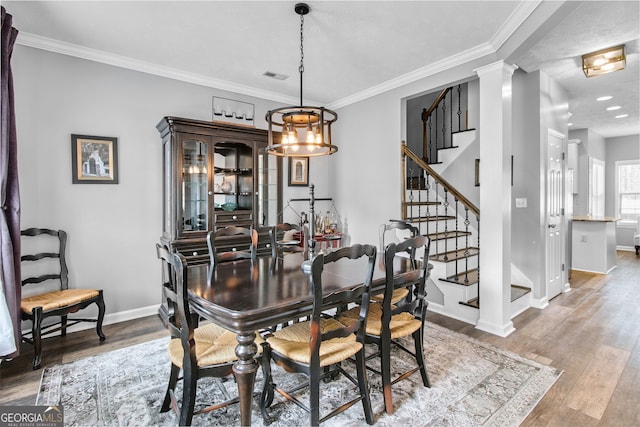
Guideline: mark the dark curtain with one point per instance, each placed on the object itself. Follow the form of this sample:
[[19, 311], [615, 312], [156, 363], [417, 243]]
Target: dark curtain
[[9, 192]]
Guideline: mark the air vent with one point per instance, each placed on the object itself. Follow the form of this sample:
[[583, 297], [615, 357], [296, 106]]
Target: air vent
[[275, 75]]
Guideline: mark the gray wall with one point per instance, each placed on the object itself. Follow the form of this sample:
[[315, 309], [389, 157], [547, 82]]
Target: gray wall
[[112, 228]]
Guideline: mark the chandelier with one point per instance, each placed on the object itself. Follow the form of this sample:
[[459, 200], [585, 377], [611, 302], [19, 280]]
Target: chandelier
[[304, 131]]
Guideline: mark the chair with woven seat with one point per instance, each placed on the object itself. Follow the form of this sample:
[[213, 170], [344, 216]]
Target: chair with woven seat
[[199, 351], [285, 237], [393, 232], [48, 302], [316, 347], [217, 254], [388, 321]]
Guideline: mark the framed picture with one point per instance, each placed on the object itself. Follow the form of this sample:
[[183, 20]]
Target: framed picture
[[94, 159], [477, 173], [298, 171]]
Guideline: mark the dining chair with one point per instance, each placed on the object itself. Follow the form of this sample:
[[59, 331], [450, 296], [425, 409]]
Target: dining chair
[[394, 231], [316, 347], [218, 252], [197, 351], [286, 237], [388, 321], [42, 268]]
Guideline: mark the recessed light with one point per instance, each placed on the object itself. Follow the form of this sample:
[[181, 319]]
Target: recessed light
[[569, 124], [613, 108], [620, 116], [604, 98]]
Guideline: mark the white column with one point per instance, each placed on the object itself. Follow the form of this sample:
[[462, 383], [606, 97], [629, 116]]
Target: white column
[[495, 198]]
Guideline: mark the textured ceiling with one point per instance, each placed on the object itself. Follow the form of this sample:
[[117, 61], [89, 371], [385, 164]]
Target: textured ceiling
[[351, 47]]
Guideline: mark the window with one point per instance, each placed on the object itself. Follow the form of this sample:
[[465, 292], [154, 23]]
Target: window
[[628, 192]]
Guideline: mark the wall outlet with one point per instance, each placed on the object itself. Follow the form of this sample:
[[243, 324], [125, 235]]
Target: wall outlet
[[521, 202]]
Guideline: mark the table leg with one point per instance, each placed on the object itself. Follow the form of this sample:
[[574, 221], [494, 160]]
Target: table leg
[[244, 371]]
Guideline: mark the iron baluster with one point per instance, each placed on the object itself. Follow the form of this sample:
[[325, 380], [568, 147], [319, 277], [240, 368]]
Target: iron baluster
[[459, 109], [444, 122]]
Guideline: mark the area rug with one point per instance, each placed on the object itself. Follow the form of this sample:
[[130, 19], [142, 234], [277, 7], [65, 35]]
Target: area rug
[[472, 384]]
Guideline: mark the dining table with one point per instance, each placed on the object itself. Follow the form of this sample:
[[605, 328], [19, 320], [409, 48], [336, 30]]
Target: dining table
[[250, 295]]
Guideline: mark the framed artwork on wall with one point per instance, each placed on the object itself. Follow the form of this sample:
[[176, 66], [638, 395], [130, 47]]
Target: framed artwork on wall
[[298, 171], [94, 159]]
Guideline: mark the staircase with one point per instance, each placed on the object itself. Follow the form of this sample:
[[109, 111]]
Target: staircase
[[447, 217]]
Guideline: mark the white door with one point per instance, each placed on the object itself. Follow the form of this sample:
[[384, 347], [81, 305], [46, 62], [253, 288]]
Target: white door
[[555, 205]]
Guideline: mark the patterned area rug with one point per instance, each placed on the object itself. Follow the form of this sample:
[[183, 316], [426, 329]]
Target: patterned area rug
[[472, 384]]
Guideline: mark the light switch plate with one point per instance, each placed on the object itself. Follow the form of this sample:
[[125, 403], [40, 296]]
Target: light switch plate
[[521, 202]]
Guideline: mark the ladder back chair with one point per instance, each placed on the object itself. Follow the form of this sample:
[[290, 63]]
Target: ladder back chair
[[316, 347], [387, 321], [197, 351], [216, 254], [286, 237], [392, 233], [51, 266]]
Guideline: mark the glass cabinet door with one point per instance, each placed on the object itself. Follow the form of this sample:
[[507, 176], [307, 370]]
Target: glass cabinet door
[[268, 194], [195, 186]]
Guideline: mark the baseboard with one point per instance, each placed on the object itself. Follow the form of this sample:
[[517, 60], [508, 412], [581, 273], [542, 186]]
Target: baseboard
[[495, 329], [540, 303], [626, 248]]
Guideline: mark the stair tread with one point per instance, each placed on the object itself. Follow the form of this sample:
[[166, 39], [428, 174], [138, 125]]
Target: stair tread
[[454, 255], [430, 218], [463, 131], [471, 276], [448, 235], [516, 292], [423, 203]]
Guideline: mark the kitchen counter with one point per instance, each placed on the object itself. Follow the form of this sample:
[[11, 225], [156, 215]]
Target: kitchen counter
[[593, 244]]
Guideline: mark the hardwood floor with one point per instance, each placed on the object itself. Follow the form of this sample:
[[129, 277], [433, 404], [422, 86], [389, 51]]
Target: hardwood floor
[[592, 333]]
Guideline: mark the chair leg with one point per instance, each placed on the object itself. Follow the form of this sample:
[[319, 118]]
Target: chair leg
[[364, 386], [101, 310], [189, 383], [63, 325], [385, 368], [266, 397], [173, 379], [418, 340], [37, 337], [314, 394]]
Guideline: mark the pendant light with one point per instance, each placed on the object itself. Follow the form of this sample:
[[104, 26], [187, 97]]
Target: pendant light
[[304, 131]]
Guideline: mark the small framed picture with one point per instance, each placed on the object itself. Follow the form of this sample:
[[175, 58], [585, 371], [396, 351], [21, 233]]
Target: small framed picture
[[94, 159], [298, 171]]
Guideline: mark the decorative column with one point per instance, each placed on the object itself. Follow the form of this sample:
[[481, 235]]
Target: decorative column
[[495, 198]]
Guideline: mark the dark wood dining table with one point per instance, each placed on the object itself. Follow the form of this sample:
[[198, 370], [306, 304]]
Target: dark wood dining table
[[246, 296]]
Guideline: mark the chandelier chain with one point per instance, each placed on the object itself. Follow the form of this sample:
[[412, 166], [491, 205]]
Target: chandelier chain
[[301, 68]]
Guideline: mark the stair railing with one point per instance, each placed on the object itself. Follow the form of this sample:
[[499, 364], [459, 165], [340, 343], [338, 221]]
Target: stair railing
[[418, 175], [438, 123]]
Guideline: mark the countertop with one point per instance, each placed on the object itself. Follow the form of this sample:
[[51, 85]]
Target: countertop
[[595, 218]]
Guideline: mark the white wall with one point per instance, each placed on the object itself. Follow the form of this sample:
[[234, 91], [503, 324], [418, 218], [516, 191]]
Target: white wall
[[617, 149], [112, 228]]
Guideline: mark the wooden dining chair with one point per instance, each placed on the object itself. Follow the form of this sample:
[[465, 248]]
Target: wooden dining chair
[[388, 321], [218, 252], [197, 351], [316, 347], [392, 232], [285, 237], [49, 267]]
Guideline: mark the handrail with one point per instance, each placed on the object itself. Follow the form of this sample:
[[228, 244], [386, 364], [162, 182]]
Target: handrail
[[450, 188], [426, 113]]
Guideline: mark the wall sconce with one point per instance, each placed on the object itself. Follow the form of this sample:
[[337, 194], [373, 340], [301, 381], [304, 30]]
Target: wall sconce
[[604, 61]]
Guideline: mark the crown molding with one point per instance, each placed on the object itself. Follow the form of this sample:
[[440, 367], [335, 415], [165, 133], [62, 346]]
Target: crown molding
[[437, 67], [64, 48]]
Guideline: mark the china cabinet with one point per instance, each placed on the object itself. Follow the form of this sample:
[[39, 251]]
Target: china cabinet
[[216, 175]]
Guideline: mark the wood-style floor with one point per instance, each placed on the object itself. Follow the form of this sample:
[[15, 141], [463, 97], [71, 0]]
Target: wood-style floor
[[592, 333]]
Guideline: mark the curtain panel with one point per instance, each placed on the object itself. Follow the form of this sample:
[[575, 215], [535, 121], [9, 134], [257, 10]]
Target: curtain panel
[[10, 319]]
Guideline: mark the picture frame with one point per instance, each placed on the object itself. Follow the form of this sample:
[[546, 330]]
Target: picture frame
[[298, 171], [94, 159], [476, 175]]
